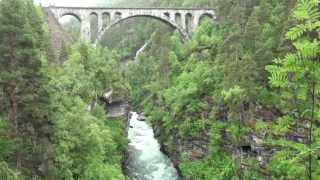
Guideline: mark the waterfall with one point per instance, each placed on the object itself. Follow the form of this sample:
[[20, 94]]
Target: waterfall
[[138, 53], [145, 45]]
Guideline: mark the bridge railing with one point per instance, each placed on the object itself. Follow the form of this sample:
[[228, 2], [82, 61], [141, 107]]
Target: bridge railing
[[132, 8]]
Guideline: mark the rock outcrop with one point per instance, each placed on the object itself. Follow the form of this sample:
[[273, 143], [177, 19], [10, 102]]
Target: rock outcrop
[[118, 109]]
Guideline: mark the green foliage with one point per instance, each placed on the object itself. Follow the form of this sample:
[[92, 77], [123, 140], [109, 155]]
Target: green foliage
[[22, 82], [6, 143], [88, 145], [207, 169], [72, 27], [284, 165], [218, 165], [7, 173], [297, 74], [86, 148]]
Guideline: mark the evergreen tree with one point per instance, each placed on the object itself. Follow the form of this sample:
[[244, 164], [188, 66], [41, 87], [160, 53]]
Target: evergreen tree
[[87, 145], [23, 85]]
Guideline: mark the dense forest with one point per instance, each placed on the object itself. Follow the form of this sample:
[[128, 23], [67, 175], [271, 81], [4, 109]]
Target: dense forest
[[244, 90]]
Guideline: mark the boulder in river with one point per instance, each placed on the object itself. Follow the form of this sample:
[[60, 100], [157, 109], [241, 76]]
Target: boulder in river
[[142, 117]]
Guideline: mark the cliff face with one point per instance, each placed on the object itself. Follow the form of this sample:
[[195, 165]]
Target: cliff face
[[251, 146], [118, 109], [174, 147], [57, 36]]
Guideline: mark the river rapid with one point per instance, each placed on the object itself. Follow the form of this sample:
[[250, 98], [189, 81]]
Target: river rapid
[[146, 161]]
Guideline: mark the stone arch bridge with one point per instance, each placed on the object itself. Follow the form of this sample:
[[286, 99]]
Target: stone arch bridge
[[185, 20]]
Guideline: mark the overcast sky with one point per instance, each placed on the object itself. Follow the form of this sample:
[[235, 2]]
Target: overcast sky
[[76, 3], [69, 2]]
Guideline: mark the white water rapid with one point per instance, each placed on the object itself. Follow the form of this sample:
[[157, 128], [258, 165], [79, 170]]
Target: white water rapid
[[146, 161]]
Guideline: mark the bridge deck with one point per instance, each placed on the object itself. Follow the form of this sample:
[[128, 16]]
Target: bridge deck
[[126, 8]]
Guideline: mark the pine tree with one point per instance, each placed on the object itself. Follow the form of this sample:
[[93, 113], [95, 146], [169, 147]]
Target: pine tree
[[22, 82]]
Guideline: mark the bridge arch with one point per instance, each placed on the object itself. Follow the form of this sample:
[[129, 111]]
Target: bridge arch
[[118, 15], [163, 20], [185, 20], [94, 21], [178, 18], [204, 16], [106, 19], [188, 22], [70, 23], [75, 15], [167, 14]]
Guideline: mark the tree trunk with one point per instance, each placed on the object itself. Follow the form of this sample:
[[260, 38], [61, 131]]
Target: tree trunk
[[13, 98], [14, 121]]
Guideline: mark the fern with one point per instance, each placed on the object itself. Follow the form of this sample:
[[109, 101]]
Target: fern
[[308, 14], [296, 32], [298, 76]]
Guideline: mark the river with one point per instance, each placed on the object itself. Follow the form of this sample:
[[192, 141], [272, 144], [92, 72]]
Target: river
[[146, 161]]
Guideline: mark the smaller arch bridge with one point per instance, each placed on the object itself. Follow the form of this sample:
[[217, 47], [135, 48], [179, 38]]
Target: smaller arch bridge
[[185, 20]]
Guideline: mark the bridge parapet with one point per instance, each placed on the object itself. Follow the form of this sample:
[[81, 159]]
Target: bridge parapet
[[185, 20]]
